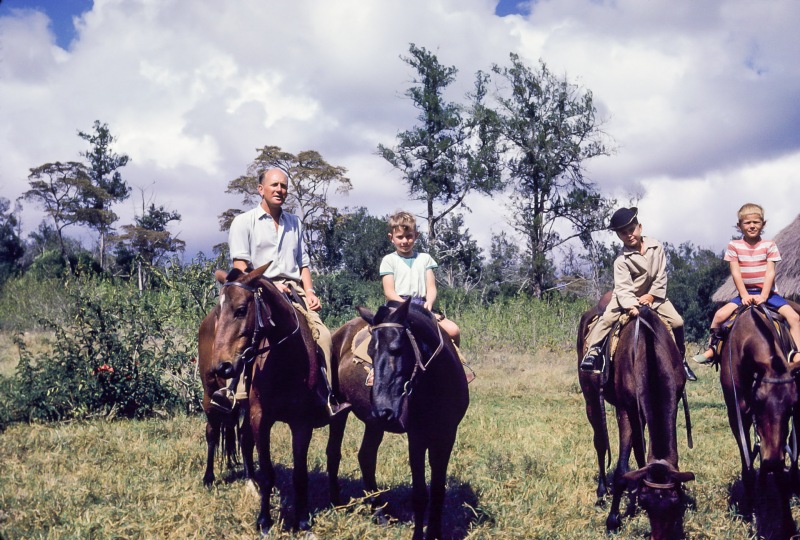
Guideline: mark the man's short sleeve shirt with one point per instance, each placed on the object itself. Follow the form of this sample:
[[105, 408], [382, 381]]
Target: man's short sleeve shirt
[[254, 238]]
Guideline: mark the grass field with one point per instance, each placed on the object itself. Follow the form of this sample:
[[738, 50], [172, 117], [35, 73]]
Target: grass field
[[523, 468]]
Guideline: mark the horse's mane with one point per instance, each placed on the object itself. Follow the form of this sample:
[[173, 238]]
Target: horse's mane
[[420, 319]]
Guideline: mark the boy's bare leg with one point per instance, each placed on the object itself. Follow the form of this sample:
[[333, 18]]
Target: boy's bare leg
[[793, 319], [720, 317]]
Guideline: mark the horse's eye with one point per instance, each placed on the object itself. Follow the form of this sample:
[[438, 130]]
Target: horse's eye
[[240, 313]]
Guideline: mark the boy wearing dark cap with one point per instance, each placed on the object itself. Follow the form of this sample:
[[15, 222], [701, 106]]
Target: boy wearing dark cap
[[640, 279]]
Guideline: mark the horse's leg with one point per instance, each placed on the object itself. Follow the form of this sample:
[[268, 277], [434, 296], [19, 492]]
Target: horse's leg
[[212, 440], [419, 489], [439, 456], [744, 501], [334, 454], [367, 461], [301, 439], [595, 412], [247, 444], [266, 480], [618, 484], [229, 425]]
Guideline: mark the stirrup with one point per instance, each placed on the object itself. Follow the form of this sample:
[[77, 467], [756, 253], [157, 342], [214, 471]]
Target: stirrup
[[223, 400], [791, 357], [589, 361]]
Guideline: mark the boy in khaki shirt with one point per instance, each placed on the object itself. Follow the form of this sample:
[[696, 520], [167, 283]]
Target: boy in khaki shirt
[[640, 279]]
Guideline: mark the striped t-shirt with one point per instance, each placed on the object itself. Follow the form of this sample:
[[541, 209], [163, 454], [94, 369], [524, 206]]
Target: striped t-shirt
[[753, 260]]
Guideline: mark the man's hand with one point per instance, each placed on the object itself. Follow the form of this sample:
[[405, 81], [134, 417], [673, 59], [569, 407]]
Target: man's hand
[[646, 300], [312, 301], [633, 311]]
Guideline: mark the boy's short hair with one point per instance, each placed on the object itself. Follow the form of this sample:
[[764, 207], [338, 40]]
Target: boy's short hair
[[403, 221], [750, 208]]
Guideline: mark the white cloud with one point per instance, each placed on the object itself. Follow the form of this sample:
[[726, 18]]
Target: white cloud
[[700, 96]]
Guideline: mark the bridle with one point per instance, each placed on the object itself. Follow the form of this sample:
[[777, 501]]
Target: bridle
[[252, 351], [419, 365]]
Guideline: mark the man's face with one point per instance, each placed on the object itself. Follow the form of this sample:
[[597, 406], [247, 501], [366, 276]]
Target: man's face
[[273, 189], [631, 236]]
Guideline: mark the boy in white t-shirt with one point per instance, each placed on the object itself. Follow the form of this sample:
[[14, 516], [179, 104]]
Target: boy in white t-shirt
[[407, 274]]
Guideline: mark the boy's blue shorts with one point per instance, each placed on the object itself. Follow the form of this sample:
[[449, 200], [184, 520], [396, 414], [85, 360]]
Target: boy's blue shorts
[[775, 301]]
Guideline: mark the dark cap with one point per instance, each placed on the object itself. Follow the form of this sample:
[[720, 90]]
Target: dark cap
[[623, 217]]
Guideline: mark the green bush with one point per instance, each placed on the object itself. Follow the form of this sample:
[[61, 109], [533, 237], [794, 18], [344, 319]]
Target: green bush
[[118, 355]]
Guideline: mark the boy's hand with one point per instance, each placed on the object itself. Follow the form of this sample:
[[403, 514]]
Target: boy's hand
[[633, 311], [748, 300], [646, 299], [428, 305], [760, 299]]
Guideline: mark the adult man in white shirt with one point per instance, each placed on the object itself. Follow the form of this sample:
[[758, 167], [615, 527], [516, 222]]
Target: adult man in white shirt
[[268, 234]]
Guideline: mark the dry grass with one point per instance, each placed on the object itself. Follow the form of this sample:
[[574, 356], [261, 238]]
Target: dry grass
[[523, 468]]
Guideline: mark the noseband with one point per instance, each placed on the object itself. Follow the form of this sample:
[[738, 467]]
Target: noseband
[[419, 365]]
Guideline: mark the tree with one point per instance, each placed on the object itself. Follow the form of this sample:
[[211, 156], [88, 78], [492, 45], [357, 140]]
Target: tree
[[458, 254], [694, 275], [148, 242], [355, 242], [502, 274], [107, 183], [58, 188], [551, 129], [454, 151], [11, 247], [310, 180]]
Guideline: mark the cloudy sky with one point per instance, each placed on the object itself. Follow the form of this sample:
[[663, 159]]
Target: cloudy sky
[[700, 98]]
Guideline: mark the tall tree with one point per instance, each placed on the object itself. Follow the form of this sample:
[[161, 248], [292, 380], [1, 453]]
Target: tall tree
[[458, 254], [148, 241], [59, 189], [454, 150], [355, 242], [311, 179], [552, 129], [11, 246], [109, 187]]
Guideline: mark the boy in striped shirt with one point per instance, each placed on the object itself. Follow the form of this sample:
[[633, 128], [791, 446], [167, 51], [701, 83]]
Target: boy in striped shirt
[[752, 261]]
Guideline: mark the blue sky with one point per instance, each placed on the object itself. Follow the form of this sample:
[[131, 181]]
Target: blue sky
[[700, 98]]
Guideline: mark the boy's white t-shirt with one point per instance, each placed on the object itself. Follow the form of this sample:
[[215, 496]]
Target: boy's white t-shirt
[[409, 272]]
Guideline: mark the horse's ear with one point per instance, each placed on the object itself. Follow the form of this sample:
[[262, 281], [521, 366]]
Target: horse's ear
[[366, 314], [220, 275], [402, 311], [260, 270]]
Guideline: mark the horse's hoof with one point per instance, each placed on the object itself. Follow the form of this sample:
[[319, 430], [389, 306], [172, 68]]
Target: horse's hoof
[[304, 525], [264, 525], [379, 517], [613, 522], [208, 480]]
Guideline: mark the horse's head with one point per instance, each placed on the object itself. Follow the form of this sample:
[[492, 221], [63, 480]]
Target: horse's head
[[241, 312], [660, 494], [397, 357]]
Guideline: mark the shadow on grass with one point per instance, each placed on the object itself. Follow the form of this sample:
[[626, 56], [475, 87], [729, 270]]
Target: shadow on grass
[[461, 506]]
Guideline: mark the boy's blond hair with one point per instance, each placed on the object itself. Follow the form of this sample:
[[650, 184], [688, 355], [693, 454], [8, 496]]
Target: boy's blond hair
[[750, 208], [403, 221]]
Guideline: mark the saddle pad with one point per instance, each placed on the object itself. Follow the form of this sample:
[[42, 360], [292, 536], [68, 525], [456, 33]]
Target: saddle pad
[[361, 344]]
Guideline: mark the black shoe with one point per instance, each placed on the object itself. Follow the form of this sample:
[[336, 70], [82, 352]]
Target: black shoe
[[223, 400], [590, 361], [689, 373]]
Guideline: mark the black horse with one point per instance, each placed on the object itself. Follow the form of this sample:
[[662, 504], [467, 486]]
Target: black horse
[[419, 389], [645, 383]]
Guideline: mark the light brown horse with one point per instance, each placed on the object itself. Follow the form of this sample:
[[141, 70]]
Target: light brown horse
[[761, 392], [286, 378], [645, 383]]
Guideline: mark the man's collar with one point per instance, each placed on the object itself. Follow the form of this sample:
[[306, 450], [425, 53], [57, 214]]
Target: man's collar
[[647, 242]]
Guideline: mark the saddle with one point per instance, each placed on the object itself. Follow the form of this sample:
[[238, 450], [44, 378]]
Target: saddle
[[776, 319], [361, 356], [609, 344]]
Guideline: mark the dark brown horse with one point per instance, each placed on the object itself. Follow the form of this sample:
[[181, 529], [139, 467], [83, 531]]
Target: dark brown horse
[[286, 380], [645, 383], [218, 423], [760, 389], [419, 389]]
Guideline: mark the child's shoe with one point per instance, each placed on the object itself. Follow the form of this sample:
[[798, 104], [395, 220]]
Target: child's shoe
[[702, 358]]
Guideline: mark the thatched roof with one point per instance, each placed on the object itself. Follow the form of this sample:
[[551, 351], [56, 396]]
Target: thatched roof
[[787, 271]]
